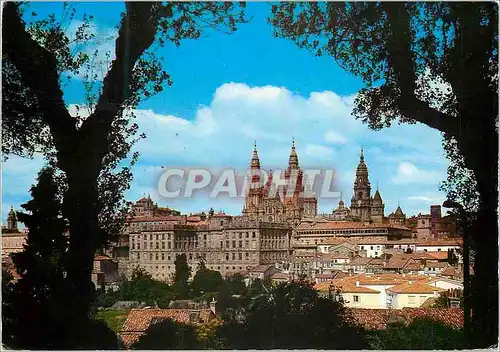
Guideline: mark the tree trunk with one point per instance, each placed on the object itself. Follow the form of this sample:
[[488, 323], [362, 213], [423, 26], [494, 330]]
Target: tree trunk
[[82, 209], [484, 237]]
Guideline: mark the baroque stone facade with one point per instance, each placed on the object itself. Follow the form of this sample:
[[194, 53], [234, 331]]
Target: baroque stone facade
[[284, 204]]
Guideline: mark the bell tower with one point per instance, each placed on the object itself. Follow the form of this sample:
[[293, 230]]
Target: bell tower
[[361, 200]]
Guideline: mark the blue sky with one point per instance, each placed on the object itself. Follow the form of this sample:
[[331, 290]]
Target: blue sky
[[230, 90]]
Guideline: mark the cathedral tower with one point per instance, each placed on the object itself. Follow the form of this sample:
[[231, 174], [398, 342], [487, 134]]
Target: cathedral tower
[[12, 221], [254, 194], [361, 201], [377, 211]]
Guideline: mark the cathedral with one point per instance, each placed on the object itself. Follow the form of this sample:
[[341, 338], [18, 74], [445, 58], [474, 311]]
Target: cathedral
[[270, 204], [364, 207]]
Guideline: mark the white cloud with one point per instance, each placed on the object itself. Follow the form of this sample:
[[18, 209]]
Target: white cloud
[[318, 151], [335, 137], [408, 173]]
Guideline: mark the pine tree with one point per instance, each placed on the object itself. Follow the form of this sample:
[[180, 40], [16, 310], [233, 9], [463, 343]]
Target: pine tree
[[32, 315]]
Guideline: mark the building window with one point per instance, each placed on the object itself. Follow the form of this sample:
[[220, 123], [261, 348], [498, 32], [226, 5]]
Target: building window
[[240, 244], [371, 248], [234, 244], [234, 256], [190, 256], [156, 256], [253, 234], [150, 256], [133, 244], [205, 237], [439, 249], [239, 256], [163, 245], [168, 258], [355, 298], [163, 237], [150, 237], [411, 299], [227, 256], [163, 256], [227, 244], [138, 256], [157, 245], [169, 245], [150, 245]]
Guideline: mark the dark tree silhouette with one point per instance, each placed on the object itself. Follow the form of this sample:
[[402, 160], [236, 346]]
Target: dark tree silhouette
[[167, 335], [87, 149], [36, 316], [206, 280], [433, 63], [292, 316], [181, 276], [421, 334]]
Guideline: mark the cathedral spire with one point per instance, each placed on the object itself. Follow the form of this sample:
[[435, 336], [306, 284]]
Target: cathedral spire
[[293, 161], [362, 156], [255, 164]]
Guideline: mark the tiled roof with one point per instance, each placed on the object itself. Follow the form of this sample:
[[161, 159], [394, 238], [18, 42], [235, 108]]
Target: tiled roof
[[157, 218], [436, 265], [332, 225], [100, 257], [438, 255], [449, 271], [345, 286], [376, 319], [359, 261], [444, 242], [139, 320], [282, 276], [413, 287]]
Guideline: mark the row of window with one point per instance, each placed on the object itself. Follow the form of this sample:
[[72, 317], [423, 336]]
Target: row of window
[[327, 232], [162, 256]]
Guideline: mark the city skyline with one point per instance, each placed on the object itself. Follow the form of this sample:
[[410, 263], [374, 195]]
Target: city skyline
[[210, 118]]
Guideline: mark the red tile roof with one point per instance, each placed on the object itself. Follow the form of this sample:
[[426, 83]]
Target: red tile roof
[[345, 286], [332, 225], [376, 319], [438, 255], [413, 287], [100, 257], [139, 320], [157, 218]]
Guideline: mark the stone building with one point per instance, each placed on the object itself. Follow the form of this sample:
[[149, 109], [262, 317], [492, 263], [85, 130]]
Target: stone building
[[433, 225], [312, 232], [278, 204], [13, 240], [225, 243]]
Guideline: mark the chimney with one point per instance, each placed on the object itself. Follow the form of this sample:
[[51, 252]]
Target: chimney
[[213, 304], [357, 283]]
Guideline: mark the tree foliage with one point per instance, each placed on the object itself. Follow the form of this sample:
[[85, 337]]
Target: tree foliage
[[434, 63], [87, 150], [206, 280], [293, 316], [421, 334], [167, 335]]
